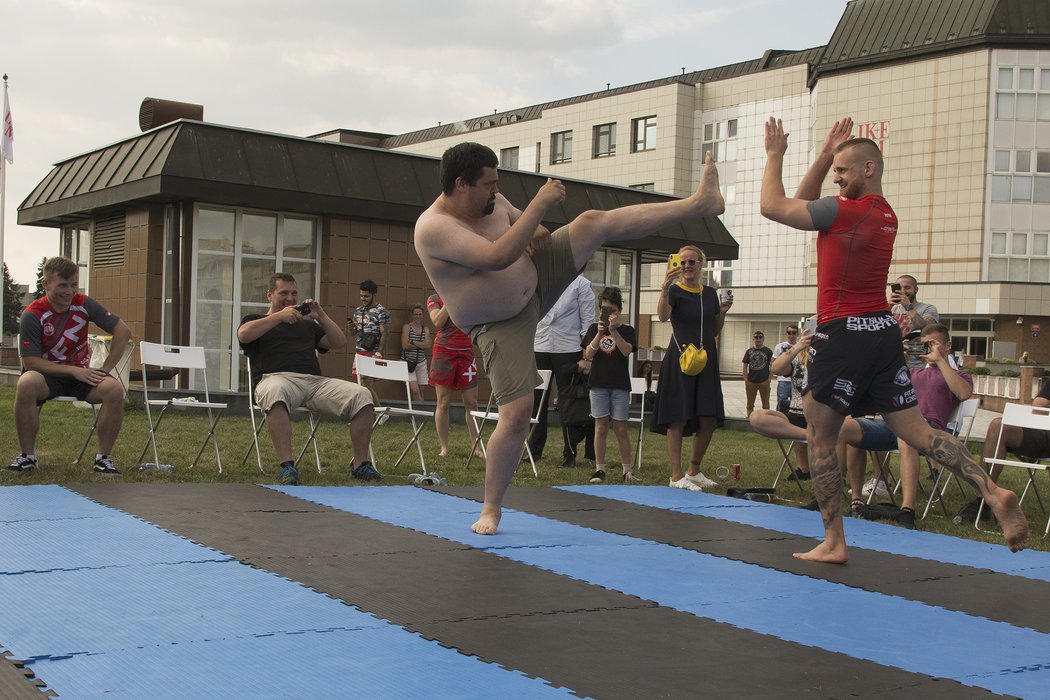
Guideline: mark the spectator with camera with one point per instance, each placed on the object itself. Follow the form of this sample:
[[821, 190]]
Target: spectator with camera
[[283, 347], [369, 324], [910, 314], [607, 346], [415, 341]]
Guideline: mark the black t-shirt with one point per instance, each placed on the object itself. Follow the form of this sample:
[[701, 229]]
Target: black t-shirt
[[609, 368], [287, 347], [757, 361]]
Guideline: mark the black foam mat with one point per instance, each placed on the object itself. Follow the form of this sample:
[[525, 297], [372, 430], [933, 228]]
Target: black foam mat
[[1012, 599], [598, 642], [18, 682]]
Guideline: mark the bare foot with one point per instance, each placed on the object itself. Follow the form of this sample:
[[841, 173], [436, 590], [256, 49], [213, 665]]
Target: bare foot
[[478, 453], [708, 198], [1010, 516], [488, 521], [444, 452], [825, 553]]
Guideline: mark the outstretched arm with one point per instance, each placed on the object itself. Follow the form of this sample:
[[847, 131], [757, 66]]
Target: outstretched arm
[[775, 205]]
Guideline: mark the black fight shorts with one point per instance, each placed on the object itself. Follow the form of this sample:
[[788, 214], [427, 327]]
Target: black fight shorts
[[856, 366]]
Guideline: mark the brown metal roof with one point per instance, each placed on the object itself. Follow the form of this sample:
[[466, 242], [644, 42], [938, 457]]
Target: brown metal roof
[[189, 160], [877, 31]]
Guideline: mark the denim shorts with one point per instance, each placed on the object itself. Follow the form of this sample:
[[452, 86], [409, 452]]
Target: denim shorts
[[877, 435], [611, 402]]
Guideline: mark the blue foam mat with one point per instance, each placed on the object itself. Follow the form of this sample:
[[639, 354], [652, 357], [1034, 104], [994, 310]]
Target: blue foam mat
[[981, 652], [869, 534], [138, 612]]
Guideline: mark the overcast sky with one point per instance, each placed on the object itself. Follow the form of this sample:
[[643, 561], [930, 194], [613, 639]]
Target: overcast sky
[[78, 69]]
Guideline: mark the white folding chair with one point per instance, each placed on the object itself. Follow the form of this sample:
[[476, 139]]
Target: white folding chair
[[255, 412], [1021, 416], [960, 425], [177, 357], [394, 371], [638, 389], [117, 373], [480, 418], [786, 449]]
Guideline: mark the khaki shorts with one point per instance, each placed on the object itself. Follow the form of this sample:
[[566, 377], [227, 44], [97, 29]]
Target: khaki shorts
[[334, 397], [506, 347]]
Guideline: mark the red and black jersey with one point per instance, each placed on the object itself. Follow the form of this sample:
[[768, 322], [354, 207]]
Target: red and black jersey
[[62, 337]]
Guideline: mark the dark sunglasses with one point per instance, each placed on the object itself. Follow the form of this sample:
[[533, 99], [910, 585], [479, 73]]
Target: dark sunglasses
[[792, 332], [690, 263]]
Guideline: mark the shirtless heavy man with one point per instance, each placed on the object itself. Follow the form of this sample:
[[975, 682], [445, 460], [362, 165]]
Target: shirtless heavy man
[[497, 283], [856, 362]]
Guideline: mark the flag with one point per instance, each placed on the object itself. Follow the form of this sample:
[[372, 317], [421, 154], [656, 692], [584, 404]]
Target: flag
[[7, 141]]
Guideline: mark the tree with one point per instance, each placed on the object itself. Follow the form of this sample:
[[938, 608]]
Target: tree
[[39, 290], [12, 303]]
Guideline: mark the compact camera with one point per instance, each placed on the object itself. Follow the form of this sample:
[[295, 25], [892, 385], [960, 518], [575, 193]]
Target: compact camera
[[303, 308]]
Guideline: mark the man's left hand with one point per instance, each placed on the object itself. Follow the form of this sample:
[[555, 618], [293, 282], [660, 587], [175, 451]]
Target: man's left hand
[[540, 241]]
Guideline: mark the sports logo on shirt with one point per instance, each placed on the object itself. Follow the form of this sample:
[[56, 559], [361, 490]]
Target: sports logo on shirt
[[903, 377]]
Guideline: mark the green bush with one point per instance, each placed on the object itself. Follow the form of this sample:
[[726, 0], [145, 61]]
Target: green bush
[[1009, 373], [982, 371]]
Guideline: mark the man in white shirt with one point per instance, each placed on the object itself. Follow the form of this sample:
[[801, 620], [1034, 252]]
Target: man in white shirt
[[557, 348]]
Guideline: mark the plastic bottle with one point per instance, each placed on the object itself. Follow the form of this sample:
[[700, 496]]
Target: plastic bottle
[[151, 467]]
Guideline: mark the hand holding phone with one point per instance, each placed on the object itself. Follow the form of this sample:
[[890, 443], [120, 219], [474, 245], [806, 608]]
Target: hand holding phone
[[674, 261], [895, 293], [606, 313]]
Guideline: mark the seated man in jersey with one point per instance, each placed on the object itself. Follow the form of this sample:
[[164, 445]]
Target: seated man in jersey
[[283, 347], [55, 360]]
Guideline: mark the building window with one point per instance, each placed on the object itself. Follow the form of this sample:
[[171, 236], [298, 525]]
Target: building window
[[236, 252], [508, 158], [604, 140], [1019, 95], [643, 134], [1021, 175], [971, 336], [645, 187], [720, 140], [1019, 256], [561, 147], [609, 267], [75, 244]]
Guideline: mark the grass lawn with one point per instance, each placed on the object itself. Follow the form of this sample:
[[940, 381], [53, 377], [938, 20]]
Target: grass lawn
[[64, 426]]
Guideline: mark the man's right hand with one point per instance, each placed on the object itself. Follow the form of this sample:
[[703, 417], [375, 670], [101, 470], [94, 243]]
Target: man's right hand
[[776, 138], [89, 375]]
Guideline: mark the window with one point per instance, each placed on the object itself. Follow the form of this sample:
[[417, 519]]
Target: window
[[236, 253], [720, 140], [508, 158], [643, 134], [970, 336], [1019, 95], [1019, 256], [609, 267], [75, 244], [1020, 185], [561, 147], [604, 140]]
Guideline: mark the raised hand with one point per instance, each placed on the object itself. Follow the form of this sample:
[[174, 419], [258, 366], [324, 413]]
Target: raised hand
[[776, 137], [840, 133]]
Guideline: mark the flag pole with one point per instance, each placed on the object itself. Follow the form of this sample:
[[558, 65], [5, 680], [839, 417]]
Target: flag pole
[[3, 210]]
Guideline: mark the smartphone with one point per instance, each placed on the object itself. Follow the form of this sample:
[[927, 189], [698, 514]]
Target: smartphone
[[606, 313], [303, 308], [674, 261], [894, 287], [918, 347], [808, 324], [725, 295]]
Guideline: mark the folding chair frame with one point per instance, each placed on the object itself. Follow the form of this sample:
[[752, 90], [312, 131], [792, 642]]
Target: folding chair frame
[[258, 423], [638, 389], [397, 371], [181, 357], [480, 418], [1022, 416]]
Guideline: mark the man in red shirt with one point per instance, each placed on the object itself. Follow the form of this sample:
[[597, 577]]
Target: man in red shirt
[[856, 363], [55, 360]]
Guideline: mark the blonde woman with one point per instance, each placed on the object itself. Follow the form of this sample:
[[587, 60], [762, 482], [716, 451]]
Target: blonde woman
[[689, 405], [415, 341]]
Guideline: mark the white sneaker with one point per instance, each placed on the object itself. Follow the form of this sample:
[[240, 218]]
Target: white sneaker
[[701, 480], [879, 487], [685, 483]]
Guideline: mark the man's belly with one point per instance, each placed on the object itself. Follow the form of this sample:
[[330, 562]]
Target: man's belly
[[487, 297]]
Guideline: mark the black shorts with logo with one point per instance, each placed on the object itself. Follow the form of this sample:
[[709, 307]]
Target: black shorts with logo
[[856, 366]]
